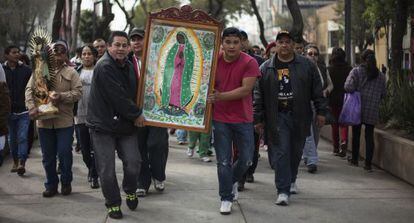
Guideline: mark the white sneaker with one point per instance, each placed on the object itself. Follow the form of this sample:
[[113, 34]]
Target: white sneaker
[[190, 152], [235, 191], [293, 188], [225, 207], [205, 159], [282, 199], [159, 185], [141, 192]]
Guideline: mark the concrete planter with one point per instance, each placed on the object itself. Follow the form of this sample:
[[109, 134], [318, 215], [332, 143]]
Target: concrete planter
[[392, 153]]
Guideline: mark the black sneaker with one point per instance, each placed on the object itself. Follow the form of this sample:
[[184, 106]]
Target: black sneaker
[[312, 168], [115, 212], [50, 192], [352, 162], [94, 183], [66, 189], [249, 178], [132, 201]]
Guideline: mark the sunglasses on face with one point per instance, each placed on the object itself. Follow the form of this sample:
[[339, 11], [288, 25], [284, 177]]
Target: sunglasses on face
[[59, 50], [313, 54]]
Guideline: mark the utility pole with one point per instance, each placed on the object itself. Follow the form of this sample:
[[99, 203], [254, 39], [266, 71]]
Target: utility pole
[[348, 43]]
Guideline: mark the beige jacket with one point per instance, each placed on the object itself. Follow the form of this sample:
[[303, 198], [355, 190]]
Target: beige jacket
[[69, 86]]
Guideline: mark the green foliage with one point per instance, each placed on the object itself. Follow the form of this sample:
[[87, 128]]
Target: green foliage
[[397, 109], [86, 27], [18, 17], [361, 29], [379, 12], [140, 18]]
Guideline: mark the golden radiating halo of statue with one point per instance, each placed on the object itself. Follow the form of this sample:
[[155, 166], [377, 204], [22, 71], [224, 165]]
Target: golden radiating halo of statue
[[44, 73]]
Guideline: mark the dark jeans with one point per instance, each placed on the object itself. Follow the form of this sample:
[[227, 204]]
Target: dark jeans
[[19, 129], [286, 154], [77, 135], [153, 145], [87, 150], [369, 142], [228, 172], [104, 146], [57, 142], [255, 160]]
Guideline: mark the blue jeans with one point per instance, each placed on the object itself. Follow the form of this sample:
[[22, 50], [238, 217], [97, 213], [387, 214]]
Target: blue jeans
[[57, 142], [310, 153], [224, 135], [181, 135], [287, 153], [19, 130]]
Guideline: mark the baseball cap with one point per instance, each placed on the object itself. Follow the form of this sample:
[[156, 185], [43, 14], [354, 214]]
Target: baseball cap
[[137, 31], [244, 34], [282, 33]]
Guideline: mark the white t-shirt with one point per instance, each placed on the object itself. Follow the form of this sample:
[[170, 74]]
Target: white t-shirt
[[86, 79]]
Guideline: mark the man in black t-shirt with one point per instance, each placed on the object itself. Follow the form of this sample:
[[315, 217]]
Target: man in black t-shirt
[[282, 99]]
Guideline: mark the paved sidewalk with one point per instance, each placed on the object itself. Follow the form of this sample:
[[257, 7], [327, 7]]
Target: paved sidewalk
[[336, 193]]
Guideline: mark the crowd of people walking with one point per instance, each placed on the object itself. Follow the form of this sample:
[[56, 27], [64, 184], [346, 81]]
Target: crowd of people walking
[[279, 96]]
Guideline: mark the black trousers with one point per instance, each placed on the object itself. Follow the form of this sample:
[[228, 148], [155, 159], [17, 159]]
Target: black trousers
[[88, 155], [369, 142], [153, 145]]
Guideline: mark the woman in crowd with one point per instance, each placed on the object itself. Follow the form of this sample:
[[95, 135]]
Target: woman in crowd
[[88, 58], [338, 71], [370, 82], [310, 153]]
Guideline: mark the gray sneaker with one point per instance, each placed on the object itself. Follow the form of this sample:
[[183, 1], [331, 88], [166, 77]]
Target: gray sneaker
[[293, 188], [282, 199], [225, 207], [159, 185], [235, 191]]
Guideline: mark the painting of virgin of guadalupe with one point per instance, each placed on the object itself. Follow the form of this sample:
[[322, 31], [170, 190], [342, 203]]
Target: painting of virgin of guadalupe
[[179, 61], [175, 92]]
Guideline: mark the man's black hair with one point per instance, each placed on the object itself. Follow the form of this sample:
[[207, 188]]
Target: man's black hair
[[231, 31], [9, 48], [117, 33]]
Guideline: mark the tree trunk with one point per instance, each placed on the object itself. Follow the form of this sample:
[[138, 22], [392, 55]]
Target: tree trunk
[[107, 16], [398, 29], [297, 25], [260, 21], [57, 19], [76, 26]]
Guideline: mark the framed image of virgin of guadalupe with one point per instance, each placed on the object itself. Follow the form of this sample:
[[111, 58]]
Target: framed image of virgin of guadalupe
[[179, 61]]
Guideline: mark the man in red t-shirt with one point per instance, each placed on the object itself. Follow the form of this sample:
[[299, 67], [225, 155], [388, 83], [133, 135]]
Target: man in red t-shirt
[[236, 75]]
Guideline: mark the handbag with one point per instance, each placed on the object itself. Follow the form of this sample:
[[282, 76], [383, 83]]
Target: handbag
[[351, 109]]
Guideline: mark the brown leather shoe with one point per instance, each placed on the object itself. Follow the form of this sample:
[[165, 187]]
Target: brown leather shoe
[[15, 166], [21, 168], [66, 189]]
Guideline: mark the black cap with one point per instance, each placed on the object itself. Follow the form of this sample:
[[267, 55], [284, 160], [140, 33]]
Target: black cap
[[137, 31], [282, 33], [243, 34]]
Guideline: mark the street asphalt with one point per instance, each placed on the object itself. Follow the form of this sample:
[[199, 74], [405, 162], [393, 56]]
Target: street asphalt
[[336, 193]]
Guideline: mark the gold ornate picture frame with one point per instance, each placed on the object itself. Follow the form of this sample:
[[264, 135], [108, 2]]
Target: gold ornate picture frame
[[179, 61]]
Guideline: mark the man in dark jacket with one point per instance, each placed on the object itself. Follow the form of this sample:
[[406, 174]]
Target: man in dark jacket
[[153, 141], [282, 107], [17, 76], [4, 111], [112, 114]]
